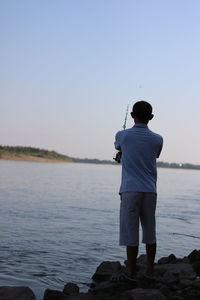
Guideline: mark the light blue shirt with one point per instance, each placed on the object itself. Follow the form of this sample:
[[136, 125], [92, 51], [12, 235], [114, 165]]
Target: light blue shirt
[[140, 148]]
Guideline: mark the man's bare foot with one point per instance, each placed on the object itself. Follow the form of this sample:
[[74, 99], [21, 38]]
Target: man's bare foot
[[123, 277], [131, 275]]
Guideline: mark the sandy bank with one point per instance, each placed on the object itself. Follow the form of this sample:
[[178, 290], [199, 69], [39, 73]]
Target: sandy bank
[[21, 157]]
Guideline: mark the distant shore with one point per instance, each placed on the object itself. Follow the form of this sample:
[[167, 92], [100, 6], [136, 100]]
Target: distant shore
[[20, 153]]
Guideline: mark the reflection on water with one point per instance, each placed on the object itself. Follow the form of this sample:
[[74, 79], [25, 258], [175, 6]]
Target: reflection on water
[[59, 221]]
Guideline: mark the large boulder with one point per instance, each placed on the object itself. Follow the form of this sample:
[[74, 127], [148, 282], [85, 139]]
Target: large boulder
[[16, 293], [105, 270]]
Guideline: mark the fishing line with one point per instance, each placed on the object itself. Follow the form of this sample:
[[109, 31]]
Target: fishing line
[[188, 235]]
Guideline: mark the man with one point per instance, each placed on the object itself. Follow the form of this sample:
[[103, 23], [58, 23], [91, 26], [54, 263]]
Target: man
[[140, 147]]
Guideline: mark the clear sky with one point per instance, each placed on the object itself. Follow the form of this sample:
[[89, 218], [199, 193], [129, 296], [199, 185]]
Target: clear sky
[[68, 69]]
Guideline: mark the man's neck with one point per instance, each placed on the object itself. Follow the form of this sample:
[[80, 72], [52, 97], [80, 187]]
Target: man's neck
[[137, 121]]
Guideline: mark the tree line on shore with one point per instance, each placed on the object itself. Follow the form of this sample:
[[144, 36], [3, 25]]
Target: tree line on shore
[[46, 154]]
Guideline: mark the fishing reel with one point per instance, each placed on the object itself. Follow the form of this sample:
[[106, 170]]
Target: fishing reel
[[118, 156]]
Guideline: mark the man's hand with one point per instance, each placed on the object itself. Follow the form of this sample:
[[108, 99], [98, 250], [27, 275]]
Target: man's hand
[[118, 156]]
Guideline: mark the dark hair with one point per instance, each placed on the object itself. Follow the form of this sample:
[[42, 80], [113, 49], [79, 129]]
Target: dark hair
[[142, 110]]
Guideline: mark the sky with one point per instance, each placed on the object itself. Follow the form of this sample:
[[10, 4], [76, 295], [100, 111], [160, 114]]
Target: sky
[[68, 70]]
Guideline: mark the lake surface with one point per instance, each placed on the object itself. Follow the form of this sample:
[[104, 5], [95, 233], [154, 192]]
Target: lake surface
[[59, 221]]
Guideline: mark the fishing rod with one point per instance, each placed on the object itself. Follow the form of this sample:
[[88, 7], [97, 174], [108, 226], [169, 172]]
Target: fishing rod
[[124, 126], [118, 155]]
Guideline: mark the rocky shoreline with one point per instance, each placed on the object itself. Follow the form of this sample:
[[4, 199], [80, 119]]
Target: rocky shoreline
[[174, 279]]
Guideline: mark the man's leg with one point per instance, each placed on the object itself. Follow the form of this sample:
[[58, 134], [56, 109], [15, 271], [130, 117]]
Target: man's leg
[[129, 228], [149, 228], [132, 253], [151, 253]]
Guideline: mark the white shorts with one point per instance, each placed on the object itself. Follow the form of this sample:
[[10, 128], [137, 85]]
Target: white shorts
[[135, 207]]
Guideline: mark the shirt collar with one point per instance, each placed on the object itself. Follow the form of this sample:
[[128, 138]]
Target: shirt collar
[[140, 125]]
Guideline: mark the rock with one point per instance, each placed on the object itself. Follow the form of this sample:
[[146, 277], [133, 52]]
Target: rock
[[191, 294], [54, 295], [185, 283], [126, 263], [160, 270], [142, 294], [163, 260], [181, 269], [16, 293], [196, 283], [105, 270], [92, 285], [187, 272], [86, 296], [176, 298], [142, 259], [170, 259], [185, 260], [70, 288], [173, 279], [112, 288], [196, 267], [165, 291], [170, 278], [194, 256]]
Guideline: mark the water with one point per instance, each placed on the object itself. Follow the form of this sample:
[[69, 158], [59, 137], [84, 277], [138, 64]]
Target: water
[[59, 221]]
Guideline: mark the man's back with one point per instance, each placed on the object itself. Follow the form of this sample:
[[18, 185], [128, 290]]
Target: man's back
[[140, 147]]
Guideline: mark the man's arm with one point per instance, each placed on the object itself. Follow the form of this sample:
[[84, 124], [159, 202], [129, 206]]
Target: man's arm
[[118, 155], [117, 142], [160, 149]]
